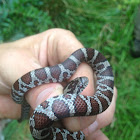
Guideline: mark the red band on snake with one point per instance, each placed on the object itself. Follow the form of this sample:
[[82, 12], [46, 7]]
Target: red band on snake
[[69, 104]]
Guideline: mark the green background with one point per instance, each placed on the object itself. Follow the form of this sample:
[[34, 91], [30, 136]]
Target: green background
[[106, 25]]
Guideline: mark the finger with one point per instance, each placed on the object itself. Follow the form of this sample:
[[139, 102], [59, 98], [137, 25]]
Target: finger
[[102, 119], [107, 116], [15, 62], [8, 108], [50, 47], [98, 135], [39, 94], [61, 44]]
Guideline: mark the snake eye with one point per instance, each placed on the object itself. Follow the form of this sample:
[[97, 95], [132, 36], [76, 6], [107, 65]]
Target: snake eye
[[81, 86]]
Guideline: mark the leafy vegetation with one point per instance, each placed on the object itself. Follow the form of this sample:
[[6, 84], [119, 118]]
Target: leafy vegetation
[[105, 25]]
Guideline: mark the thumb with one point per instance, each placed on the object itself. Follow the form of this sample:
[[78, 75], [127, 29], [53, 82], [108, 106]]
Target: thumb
[[39, 94]]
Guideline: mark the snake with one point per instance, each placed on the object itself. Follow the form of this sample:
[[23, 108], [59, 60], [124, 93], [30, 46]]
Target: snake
[[69, 104]]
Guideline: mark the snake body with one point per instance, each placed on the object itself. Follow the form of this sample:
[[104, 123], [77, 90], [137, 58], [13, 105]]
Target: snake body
[[69, 104]]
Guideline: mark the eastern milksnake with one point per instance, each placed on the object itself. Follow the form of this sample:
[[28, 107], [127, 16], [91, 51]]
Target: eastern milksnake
[[69, 104]]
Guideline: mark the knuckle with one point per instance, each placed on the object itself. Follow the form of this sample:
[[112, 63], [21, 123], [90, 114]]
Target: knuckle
[[61, 32]]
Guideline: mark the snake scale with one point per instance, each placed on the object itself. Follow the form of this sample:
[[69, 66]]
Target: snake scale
[[69, 104]]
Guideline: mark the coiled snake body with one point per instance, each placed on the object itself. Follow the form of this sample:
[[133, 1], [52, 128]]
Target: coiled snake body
[[71, 103]]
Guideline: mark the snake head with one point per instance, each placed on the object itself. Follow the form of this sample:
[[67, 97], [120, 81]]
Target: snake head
[[83, 81], [76, 86]]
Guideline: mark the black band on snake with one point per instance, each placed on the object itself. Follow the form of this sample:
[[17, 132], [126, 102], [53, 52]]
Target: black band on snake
[[69, 104]]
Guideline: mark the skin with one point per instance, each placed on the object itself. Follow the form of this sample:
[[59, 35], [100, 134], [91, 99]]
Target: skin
[[47, 49]]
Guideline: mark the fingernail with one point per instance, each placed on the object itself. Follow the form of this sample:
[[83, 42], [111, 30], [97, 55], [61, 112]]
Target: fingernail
[[48, 93], [90, 129], [45, 93]]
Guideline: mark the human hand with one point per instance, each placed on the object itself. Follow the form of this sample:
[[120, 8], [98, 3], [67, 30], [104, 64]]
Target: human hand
[[47, 49]]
